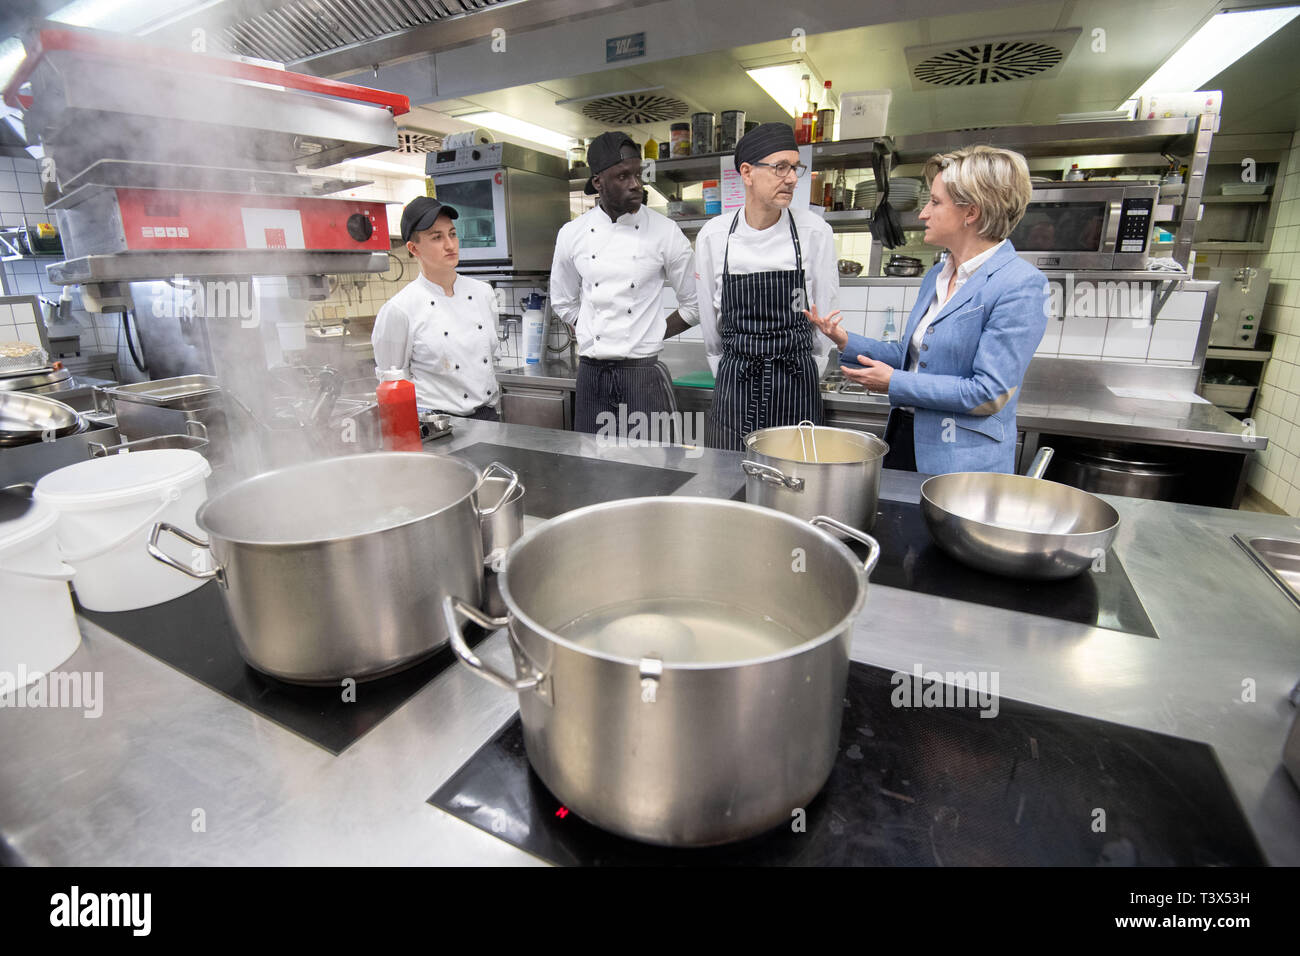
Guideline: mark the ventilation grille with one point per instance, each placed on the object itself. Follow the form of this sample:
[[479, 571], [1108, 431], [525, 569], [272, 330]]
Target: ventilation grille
[[633, 109], [990, 60], [300, 29], [417, 141]]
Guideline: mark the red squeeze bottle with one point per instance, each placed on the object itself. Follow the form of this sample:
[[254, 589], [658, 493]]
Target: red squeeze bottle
[[399, 422]]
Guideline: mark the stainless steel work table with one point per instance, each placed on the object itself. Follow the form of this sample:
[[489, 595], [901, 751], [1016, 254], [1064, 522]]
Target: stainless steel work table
[[124, 788], [1091, 412]]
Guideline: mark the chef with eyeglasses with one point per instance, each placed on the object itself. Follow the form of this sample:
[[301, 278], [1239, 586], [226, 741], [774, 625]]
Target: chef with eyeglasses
[[610, 268], [758, 272], [441, 329]]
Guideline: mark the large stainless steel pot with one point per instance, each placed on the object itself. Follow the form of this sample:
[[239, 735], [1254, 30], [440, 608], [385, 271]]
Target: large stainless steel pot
[[337, 568], [1117, 468], [1018, 525], [681, 662], [807, 470]]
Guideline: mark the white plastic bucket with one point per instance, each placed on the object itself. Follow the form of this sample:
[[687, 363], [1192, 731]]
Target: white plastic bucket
[[39, 629], [108, 506]]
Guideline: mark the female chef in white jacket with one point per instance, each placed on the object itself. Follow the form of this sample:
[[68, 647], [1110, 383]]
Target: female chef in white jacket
[[442, 327]]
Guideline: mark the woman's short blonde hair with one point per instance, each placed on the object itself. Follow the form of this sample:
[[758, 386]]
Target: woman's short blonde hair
[[995, 180]]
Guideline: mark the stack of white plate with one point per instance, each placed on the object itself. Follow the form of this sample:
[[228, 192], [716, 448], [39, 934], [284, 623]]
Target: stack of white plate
[[904, 193], [864, 197]]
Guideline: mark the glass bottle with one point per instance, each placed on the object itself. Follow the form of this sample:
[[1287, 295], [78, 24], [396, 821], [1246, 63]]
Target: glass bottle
[[840, 188], [826, 114], [890, 332]]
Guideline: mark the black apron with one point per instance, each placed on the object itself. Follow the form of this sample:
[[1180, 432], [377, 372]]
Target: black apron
[[767, 376]]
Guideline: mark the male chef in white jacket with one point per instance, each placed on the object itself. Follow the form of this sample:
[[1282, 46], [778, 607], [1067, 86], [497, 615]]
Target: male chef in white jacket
[[609, 272]]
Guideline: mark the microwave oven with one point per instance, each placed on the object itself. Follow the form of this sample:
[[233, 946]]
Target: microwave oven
[[1088, 225], [512, 202]]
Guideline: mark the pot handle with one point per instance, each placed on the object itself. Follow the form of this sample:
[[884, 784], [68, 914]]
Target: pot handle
[[450, 607], [873, 546], [1041, 461], [158, 554], [514, 481], [772, 476]]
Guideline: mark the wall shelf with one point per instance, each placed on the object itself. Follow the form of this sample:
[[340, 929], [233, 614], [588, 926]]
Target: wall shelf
[[1235, 200], [1222, 246]]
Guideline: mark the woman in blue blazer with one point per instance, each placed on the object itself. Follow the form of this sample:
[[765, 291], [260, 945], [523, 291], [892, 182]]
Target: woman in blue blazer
[[954, 378]]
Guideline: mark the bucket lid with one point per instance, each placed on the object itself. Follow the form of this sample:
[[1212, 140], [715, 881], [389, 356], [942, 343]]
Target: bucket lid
[[38, 520], [120, 479]]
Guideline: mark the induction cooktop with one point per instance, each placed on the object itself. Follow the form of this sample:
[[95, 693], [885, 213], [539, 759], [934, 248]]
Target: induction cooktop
[[921, 785]]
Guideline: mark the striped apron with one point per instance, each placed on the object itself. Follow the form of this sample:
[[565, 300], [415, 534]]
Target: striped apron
[[767, 376], [621, 387]]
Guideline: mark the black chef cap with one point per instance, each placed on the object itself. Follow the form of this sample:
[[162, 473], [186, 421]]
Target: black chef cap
[[764, 141], [421, 212], [606, 150]]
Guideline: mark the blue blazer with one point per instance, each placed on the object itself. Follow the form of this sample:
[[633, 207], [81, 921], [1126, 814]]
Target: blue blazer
[[978, 349]]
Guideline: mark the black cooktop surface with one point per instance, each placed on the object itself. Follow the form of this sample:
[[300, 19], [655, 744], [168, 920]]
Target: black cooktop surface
[[923, 785], [193, 634], [554, 484], [909, 559]]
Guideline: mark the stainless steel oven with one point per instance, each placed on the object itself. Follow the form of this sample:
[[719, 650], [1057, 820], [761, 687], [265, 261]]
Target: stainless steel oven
[[512, 201], [1088, 225]]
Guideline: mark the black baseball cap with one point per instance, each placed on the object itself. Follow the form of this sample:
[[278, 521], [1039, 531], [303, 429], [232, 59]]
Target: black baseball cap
[[606, 150], [421, 212]]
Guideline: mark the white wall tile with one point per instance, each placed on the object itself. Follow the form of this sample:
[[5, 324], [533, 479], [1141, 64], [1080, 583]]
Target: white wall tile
[[855, 322], [33, 205], [1173, 341], [1083, 336], [1126, 338], [875, 325], [1184, 306], [910, 295], [28, 332], [853, 298], [882, 297]]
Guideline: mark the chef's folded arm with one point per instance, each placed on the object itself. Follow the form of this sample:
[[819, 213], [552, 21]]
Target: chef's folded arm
[[391, 339], [822, 275], [707, 298], [680, 270], [1005, 347], [566, 284]]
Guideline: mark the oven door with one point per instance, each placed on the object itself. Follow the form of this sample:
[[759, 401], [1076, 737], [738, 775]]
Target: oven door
[[1070, 227], [480, 198]]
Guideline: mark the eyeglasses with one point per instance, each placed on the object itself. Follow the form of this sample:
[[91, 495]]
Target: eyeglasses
[[782, 170]]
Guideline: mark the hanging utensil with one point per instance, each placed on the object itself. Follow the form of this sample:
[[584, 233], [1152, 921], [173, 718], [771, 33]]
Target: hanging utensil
[[885, 224]]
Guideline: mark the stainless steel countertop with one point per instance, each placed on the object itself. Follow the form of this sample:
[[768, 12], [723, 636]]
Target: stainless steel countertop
[[123, 788], [1073, 409]]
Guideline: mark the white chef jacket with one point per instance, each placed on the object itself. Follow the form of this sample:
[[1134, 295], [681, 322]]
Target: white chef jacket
[[767, 250], [607, 280], [448, 345], [941, 297]]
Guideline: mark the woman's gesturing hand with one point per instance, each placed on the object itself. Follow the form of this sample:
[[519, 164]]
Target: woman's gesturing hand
[[828, 325], [874, 375]]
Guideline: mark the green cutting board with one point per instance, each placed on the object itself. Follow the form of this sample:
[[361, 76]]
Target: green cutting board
[[702, 379]]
